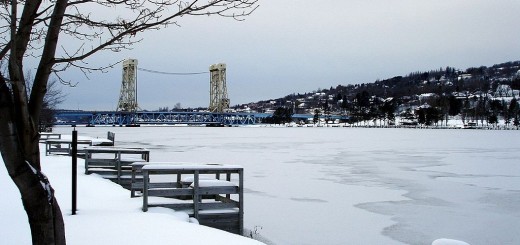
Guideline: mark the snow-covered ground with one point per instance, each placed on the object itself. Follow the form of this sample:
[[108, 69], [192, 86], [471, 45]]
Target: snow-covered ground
[[333, 185], [106, 213]]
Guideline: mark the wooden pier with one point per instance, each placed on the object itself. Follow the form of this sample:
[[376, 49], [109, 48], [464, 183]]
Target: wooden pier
[[205, 192], [114, 163], [211, 193], [54, 144]]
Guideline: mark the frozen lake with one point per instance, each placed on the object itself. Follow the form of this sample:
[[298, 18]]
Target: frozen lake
[[357, 186]]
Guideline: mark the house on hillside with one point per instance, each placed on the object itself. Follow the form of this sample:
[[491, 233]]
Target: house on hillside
[[461, 95], [427, 96], [464, 77]]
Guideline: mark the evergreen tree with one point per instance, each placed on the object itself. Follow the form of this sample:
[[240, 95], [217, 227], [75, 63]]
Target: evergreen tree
[[514, 111], [282, 115], [317, 114], [421, 116], [455, 106], [492, 119]]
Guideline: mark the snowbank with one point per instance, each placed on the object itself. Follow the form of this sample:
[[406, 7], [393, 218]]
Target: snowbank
[[106, 213]]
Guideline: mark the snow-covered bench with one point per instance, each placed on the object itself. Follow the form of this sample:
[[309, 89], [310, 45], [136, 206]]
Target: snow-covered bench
[[62, 146], [113, 162], [54, 144], [137, 178], [45, 136]]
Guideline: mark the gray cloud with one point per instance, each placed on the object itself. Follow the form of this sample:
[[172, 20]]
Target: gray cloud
[[298, 46]]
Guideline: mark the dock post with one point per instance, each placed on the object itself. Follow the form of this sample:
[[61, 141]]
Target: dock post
[[146, 179], [196, 196], [241, 202], [74, 154]]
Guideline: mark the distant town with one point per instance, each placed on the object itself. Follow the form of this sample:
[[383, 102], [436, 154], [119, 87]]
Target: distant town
[[477, 95]]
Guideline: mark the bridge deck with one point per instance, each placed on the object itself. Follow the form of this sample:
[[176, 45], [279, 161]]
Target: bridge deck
[[145, 117]]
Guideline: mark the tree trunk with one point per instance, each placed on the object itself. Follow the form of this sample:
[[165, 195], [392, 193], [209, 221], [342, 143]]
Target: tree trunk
[[43, 212]]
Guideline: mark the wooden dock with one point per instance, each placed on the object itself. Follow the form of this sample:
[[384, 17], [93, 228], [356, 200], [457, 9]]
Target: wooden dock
[[205, 192], [54, 144], [211, 193], [114, 162], [62, 146]]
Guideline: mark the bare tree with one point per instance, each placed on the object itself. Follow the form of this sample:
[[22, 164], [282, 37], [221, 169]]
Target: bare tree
[[53, 97], [57, 35]]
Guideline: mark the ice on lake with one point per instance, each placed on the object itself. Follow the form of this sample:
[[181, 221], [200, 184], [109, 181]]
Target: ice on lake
[[357, 186]]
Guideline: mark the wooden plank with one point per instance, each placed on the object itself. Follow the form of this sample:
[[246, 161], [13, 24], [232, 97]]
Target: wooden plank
[[93, 164], [139, 185], [58, 150], [213, 190], [202, 206], [129, 161], [189, 171], [217, 205], [175, 206], [170, 192], [225, 214], [102, 160], [222, 218]]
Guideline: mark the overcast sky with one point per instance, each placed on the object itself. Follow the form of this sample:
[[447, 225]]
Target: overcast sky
[[297, 46]]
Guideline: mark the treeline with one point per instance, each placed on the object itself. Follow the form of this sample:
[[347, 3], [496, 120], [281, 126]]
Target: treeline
[[280, 116], [436, 110]]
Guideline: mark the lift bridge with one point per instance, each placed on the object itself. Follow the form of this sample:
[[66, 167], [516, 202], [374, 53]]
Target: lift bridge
[[192, 118], [113, 118], [129, 113]]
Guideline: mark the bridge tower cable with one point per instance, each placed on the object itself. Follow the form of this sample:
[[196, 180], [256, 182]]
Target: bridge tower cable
[[218, 101], [128, 94]]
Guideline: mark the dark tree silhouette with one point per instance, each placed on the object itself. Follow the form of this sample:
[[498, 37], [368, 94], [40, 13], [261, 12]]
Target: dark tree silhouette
[[317, 115], [282, 115]]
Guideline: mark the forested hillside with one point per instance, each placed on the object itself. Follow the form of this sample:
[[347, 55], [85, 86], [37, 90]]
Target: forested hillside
[[478, 94]]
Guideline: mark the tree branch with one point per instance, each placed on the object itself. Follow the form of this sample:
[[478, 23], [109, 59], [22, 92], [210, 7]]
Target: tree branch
[[47, 59], [147, 18]]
